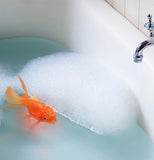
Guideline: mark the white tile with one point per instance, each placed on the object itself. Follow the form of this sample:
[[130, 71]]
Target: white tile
[[146, 7], [110, 2], [132, 11], [119, 5]]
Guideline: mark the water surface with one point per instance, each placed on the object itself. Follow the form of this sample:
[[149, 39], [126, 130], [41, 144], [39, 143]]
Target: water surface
[[65, 139]]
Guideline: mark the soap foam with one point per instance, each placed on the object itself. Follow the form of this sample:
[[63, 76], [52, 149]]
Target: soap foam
[[79, 89]]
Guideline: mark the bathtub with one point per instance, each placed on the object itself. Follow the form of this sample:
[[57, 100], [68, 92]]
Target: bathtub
[[88, 27]]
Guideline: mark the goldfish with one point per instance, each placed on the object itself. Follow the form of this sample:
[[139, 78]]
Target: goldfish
[[35, 108]]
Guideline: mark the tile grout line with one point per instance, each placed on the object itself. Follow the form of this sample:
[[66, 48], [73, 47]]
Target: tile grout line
[[124, 8], [124, 13], [138, 14]]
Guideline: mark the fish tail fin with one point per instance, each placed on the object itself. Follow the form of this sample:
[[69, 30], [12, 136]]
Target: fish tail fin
[[23, 86], [14, 100]]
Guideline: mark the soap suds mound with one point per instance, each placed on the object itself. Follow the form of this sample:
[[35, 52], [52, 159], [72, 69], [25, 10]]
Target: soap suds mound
[[81, 90]]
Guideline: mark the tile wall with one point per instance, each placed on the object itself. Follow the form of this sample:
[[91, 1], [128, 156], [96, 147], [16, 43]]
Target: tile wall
[[135, 11]]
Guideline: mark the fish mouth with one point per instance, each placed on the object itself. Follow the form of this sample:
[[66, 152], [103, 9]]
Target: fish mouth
[[49, 112], [52, 121]]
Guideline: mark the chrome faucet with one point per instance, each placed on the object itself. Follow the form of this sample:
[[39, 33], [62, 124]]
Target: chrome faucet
[[138, 56]]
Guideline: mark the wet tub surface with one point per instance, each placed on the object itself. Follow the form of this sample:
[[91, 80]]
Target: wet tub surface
[[65, 139]]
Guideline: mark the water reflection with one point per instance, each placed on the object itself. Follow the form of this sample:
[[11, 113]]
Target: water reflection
[[66, 140]]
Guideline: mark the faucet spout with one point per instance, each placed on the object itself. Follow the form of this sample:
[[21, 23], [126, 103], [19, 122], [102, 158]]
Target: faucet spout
[[138, 56]]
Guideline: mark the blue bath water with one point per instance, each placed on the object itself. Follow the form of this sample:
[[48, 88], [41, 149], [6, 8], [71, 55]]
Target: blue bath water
[[16, 52], [65, 139]]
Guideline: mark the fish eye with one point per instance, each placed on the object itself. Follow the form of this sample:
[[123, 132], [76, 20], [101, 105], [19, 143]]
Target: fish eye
[[44, 118]]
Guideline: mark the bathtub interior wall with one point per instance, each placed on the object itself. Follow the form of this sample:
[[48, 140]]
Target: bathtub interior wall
[[72, 23], [35, 18], [88, 27]]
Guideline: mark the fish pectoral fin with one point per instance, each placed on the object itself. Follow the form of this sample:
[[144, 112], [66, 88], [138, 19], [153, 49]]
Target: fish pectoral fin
[[27, 116], [35, 124], [9, 107], [35, 98]]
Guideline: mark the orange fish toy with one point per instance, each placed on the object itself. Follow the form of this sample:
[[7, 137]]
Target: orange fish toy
[[35, 108]]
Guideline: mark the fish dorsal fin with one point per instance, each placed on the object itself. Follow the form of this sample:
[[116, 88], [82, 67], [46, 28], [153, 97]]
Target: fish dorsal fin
[[23, 86], [35, 98]]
